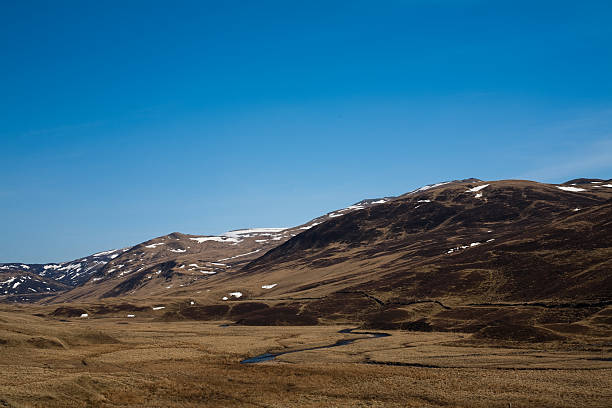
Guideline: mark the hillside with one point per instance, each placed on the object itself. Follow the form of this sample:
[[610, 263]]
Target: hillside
[[501, 258], [174, 264]]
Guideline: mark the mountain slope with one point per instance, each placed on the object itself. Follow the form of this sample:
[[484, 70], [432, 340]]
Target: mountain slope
[[513, 259], [478, 242], [40, 280], [176, 263]]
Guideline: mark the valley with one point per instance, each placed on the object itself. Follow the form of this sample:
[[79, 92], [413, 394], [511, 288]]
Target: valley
[[466, 293], [114, 362]]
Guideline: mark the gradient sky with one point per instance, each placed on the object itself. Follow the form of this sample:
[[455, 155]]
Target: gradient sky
[[122, 121]]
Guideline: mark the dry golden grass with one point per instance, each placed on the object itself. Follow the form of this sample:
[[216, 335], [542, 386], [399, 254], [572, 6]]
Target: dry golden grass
[[120, 362]]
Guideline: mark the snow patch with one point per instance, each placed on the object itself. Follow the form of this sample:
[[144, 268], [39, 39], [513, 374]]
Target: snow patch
[[84, 315], [269, 286], [311, 225], [236, 294], [104, 253], [429, 186], [476, 189], [9, 280], [53, 266], [215, 239], [238, 256], [572, 189], [256, 231], [154, 245], [159, 307]]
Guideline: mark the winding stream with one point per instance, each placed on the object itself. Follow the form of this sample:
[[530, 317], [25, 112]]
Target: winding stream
[[271, 356]]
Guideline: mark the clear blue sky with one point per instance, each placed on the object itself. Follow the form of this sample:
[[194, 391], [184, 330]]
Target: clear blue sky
[[126, 120]]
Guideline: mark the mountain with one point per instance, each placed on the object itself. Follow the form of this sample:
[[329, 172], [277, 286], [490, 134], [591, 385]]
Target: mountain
[[172, 264], [459, 256], [498, 258], [37, 281]]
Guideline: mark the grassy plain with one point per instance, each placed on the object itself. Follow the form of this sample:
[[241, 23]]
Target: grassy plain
[[141, 362]]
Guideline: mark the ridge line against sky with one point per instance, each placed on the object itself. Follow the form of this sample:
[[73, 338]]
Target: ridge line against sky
[[122, 122]]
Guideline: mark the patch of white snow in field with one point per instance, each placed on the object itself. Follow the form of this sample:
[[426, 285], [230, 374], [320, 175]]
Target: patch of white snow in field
[[473, 244], [208, 272], [70, 267], [154, 245], [194, 265], [478, 195], [269, 286], [476, 189], [576, 209], [215, 239], [607, 185], [252, 231], [192, 303], [51, 267], [224, 298], [131, 315], [424, 201], [16, 284], [236, 294], [572, 189], [105, 253], [159, 307], [238, 256], [84, 315], [9, 280], [24, 266], [379, 201], [217, 264], [427, 187], [310, 226], [178, 251], [332, 215]]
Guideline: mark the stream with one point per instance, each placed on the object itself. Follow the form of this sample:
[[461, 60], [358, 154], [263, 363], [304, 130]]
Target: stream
[[271, 356]]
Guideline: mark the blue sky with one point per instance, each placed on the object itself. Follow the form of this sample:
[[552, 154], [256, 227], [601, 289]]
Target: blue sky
[[122, 121]]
